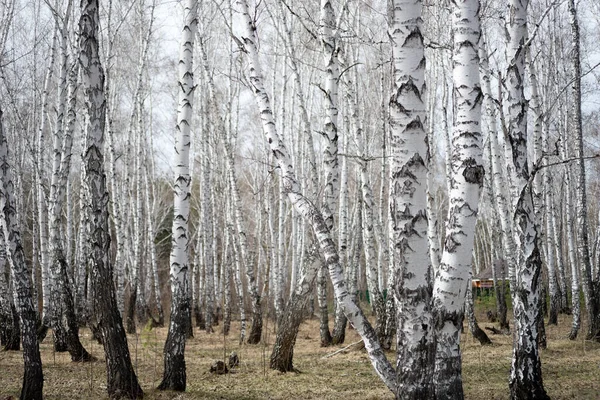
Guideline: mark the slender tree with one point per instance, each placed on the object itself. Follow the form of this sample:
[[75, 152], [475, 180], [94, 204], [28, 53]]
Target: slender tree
[[590, 283], [33, 378], [526, 369], [174, 377], [466, 182], [121, 379]]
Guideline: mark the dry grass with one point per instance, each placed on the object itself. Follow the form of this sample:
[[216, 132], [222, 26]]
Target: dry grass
[[571, 369]]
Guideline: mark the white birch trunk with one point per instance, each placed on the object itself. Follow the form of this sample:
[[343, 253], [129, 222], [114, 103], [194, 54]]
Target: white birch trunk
[[408, 199], [291, 187], [526, 375], [590, 283], [42, 205], [121, 378], [174, 377], [466, 182], [467, 173]]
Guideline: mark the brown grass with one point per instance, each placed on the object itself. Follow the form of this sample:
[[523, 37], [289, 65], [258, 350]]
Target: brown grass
[[571, 369]]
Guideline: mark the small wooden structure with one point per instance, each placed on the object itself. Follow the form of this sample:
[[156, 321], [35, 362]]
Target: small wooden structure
[[483, 282]]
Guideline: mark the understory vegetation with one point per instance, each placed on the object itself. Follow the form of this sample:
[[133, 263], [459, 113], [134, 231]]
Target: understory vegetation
[[571, 368]]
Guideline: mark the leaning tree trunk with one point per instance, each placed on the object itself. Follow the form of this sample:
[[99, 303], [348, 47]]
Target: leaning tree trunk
[[526, 370], [408, 199], [121, 379], [174, 377], [306, 208], [452, 278], [33, 378]]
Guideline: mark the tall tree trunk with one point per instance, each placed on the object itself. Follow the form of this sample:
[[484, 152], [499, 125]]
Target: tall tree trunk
[[62, 295], [307, 209], [42, 206], [499, 180], [526, 370], [33, 379], [174, 376], [590, 284], [408, 199], [452, 278], [121, 379]]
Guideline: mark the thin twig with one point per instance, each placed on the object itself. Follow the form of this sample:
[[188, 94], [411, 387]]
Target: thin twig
[[340, 350]]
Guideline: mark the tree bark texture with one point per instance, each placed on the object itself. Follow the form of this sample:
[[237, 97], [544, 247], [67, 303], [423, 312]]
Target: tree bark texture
[[121, 379], [526, 374], [408, 199], [466, 182], [174, 376], [33, 378], [590, 284]]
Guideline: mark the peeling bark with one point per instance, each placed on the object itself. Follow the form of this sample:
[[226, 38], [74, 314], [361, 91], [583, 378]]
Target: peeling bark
[[121, 379]]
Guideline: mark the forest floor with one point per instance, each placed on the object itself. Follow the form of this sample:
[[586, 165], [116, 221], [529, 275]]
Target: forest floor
[[571, 369]]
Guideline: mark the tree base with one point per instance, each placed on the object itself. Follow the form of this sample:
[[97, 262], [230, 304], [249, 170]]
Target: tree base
[[175, 377]]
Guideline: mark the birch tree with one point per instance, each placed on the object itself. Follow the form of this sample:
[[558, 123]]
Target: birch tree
[[121, 379], [590, 284], [526, 373], [33, 379], [408, 199], [304, 206], [61, 294], [174, 376], [466, 182]]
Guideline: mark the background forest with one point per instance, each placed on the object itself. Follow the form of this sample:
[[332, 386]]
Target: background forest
[[244, 167]]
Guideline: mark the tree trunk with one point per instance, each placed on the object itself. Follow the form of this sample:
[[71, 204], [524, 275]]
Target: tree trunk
[[590, 285], [289, 322], [63, 305], [174, 376], [33, 378], [12, 334], [121, 379], [499, 176], [526, 374], [408, 200], [477, 332], [307, 209], [452, 278]]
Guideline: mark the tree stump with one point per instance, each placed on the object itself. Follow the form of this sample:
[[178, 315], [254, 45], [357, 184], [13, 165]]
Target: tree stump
[[234, 360], [219, 368]]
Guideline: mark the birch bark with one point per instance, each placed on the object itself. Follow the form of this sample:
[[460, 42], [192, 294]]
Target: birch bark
[[590, 284], [466, 182], [526, 373], [121, 379], [61, 295], [33, 379], [408, 199], [304, 207], [174, 377]]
